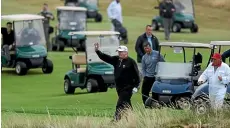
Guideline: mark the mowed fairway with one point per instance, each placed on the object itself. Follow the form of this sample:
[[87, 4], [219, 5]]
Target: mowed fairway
[[38, 93]]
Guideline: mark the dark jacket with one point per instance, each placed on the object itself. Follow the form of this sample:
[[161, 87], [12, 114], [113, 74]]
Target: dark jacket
[[7, 39], [125, 72], [225, 55], [140, 48], [168, 7]]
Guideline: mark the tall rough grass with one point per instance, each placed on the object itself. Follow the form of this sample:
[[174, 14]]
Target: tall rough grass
[[138, 118]]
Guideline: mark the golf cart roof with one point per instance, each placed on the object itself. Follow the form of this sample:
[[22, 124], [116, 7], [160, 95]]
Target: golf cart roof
[[94, 33], [185, 44], [70, 8], [21, 17], [220, 43]]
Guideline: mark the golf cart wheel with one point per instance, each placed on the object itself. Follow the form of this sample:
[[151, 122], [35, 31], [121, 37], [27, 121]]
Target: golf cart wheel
[[150, 103], [103, 87], [98, 17], [92, 85], [68, 89], [21, 68], [194, 28], [155, 25], [201, 105], [183, 103], [47, 67], [61, 48], [176, 27]]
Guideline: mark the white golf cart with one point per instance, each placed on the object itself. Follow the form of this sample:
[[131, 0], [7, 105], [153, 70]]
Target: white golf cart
[[30, 44], [70, 19]]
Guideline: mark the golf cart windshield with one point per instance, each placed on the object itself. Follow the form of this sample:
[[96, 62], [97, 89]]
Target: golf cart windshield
[[170, 70], [108, 45], [183, 6], [72, 20], [29, 32], [91, 2]]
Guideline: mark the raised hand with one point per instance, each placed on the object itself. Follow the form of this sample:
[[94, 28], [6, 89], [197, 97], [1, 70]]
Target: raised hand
[[96, 46]]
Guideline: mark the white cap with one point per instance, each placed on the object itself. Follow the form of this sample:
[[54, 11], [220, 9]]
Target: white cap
[[122, 48]]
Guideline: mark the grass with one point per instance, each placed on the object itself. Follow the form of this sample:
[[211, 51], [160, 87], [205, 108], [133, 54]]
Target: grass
[[138, 118], [36, 92]]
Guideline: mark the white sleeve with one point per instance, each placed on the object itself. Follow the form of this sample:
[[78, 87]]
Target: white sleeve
[[226, 78], [204, 76], [110, 10]]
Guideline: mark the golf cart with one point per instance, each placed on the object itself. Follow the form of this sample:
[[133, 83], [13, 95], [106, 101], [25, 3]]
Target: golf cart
[[91, 5], [30, 51], [174, 83], [69, 19], [88, 70], [200, 97], [184, 17]]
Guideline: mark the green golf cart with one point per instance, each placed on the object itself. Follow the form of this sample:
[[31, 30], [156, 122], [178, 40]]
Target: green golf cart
[[88, 70], [183, 18], [69, 19], [29, 51], [91, 5]]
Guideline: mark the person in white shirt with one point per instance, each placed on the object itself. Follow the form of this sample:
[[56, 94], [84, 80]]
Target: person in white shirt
[[217, 75], [114, 11]]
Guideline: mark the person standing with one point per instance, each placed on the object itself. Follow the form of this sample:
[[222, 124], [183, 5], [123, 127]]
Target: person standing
[[126, 77], [149, 62], [145, 37], [46, 23], [167, 9], [114, 11], [8, 40], [217, 74]]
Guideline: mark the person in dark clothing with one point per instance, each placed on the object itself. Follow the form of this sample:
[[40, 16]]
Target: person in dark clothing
[[30, 34], [126, 77], [167, 8], [46, 23], [146, 37], [225, 55], [8, 40], [149, 62]]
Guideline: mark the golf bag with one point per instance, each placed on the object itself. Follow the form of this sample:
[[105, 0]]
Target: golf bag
[[122, 30]]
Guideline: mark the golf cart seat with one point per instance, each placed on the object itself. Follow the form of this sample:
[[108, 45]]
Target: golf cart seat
[[79, 60]]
